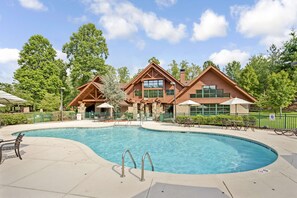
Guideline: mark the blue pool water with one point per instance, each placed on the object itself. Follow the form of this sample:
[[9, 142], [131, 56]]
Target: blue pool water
[[183, 153]]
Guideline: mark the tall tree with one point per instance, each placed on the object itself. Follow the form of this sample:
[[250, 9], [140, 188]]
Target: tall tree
[[194, 70], [261, 66], [50, 102], [112, 91], [124, 75], [185, 65], [154, 60], [86, 52], [289, 53], [280, 91], [274, 55], [233, 70], [174, 69], [249, 80], [209, 63], [39, 71]]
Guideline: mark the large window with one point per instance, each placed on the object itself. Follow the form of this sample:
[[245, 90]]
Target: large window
[[210, 91], [210, 109], [153, 93], [153, 84]]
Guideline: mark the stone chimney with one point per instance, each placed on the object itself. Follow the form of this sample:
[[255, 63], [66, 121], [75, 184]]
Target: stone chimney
[[182, 76]]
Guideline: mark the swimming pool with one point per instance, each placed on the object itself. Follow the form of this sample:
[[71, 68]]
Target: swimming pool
[[181, 153]]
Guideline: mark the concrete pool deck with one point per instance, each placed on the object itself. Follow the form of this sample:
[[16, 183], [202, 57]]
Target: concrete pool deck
[[53, 167]]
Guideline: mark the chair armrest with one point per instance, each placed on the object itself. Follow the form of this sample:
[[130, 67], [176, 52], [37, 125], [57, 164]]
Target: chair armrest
[[7, 141]]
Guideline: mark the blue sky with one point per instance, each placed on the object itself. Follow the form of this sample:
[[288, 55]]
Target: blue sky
[[136, 30]]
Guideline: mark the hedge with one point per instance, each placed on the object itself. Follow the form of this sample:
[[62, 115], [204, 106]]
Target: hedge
[[11, 119], [214, 119]]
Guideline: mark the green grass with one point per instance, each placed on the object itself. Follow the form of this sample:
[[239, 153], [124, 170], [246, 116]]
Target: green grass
[[287, 120]]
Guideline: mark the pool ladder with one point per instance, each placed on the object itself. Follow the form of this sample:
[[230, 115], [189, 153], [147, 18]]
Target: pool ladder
[[123, 161], [142, 163]]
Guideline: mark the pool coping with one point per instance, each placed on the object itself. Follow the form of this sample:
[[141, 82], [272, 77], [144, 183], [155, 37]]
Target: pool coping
[[223, 182]]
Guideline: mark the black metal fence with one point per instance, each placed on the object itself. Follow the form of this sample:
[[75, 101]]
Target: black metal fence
[[264, 120]]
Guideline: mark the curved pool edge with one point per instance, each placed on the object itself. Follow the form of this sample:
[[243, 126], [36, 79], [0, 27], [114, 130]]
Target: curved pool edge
[[179, 130], [148, 125]]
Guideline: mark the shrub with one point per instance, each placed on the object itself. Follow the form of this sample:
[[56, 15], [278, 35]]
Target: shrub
[[11, 119]]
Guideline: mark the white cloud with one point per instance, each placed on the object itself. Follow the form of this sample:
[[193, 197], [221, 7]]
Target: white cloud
[[211, 25], [78, 20], [8, 64], [9, 55], [271, 20], [121, 19], [33, 4], [224, 56], [165, 3]]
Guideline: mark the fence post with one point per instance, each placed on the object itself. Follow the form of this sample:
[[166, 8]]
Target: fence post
[[259, 117], [285, 121]]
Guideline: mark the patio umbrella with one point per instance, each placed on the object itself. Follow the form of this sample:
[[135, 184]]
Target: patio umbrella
[[1, 105], [106, 106], [191, 103], [6, 98], [235, 101]]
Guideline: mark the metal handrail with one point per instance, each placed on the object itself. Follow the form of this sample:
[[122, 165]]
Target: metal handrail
[[142, 164], [123, 161]]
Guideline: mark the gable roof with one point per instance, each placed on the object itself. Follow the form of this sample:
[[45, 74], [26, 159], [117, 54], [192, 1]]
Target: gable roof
[[159, 69], [221, 74], [94, 82], [95, 79]]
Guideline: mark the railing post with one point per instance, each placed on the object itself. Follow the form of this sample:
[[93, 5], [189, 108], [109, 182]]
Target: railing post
[[285, 121], [259, 117]]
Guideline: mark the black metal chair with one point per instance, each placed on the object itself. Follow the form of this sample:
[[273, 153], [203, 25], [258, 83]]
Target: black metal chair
[[11, 144]]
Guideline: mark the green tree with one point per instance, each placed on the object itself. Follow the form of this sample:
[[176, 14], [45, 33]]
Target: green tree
[[274, 55], [124, 75], [39, 71], [154, 60], [174, 69], [289, 53], [185, 65], [233, 70], [249, 80], [86, 52], [194, 71], [50, 102], [209, 63], [6, 87], [261, 66], [280, 91], [112, 91]]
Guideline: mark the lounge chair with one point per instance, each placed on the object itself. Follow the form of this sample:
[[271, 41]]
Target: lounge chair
[[286, 132], [14, 144]]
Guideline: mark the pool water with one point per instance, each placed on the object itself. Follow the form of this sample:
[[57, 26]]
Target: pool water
[[181, 153]]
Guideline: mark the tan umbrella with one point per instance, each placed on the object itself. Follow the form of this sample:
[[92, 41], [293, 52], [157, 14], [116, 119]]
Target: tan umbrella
[[235, 101], [106, 106], [191, 103], [6, 98], [1, 105]]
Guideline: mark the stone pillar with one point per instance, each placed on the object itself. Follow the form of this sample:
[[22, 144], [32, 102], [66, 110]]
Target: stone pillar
[[154, 110], [82, 109], [147, 110], [135, 111], [158, 110], [142, 110]]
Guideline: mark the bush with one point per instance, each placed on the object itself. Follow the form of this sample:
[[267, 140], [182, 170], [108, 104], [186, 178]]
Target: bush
[[11, 119], [210, 120]]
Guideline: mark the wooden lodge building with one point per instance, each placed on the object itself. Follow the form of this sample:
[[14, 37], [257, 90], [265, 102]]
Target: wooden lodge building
[[151, 93]]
